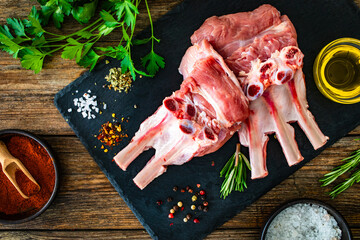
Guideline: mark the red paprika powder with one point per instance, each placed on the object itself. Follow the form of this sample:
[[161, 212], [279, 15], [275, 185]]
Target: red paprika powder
[[39, 163]]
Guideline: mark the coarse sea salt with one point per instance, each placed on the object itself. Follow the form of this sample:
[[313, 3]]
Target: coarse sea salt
[[86, 105], [304, 221]]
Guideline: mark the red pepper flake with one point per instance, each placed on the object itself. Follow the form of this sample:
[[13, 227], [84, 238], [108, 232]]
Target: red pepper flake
[[171, 215], [198, 185], [212, 163], [182, 209], [113, 160], [111, 134], [159, 202], [196, 220], [171, 224]]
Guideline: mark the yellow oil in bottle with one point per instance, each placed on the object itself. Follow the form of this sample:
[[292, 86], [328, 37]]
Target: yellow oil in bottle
[[338, 71]]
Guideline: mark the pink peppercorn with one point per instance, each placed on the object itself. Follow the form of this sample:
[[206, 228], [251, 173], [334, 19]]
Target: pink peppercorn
[[196, 220]]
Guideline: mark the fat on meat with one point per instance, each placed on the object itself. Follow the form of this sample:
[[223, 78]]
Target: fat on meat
[[195, 120], [261, 48]]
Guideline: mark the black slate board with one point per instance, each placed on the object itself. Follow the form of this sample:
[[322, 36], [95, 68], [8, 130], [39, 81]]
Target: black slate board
[[317, 22]]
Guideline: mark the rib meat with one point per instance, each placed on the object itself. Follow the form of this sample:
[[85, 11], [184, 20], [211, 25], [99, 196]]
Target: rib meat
[[195, 120], [234, 58], [261, 49]]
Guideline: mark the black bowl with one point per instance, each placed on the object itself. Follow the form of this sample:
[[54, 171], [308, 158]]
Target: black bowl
[[20, 218], [345, 230]]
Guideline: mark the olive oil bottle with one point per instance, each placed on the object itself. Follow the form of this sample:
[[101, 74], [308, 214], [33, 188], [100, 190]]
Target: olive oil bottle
[[337, 70]]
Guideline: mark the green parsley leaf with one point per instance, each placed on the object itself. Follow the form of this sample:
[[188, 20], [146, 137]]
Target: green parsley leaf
[[58, 17], [152, 62], [108, 18], [46, 13], [127, 65], [18, 26], [127, 10], [117, 52], [90, 59], [6, 31], [38, 41], [57, 9], [33, 61], [87, 48], [33, 24], [64, 5], [125, 34], [84, 13], [70, 52], [141, 41], [8, 45], [104, 30], [85, 34], [73, 41], [73, 51]]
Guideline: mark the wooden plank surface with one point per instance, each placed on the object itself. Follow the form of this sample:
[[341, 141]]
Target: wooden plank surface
[[87, 206]]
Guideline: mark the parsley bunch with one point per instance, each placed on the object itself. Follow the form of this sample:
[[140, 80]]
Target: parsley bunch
[[31, 43]]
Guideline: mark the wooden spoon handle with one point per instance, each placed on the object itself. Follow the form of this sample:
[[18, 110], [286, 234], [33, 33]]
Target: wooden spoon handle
[[11, 177], [4, 154]]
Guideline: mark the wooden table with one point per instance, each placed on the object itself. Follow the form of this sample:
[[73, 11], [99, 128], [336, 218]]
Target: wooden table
[[86, 205]]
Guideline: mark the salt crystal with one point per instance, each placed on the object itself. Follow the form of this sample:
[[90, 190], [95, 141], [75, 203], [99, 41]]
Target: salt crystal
[[70, 110], [303, 221], [87, 105]]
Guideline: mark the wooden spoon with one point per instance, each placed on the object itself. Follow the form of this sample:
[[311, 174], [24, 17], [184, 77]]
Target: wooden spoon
[[10, 165]]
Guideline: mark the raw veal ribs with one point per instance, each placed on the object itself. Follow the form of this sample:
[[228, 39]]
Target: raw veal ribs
[[243, 73], [260, 47], [195, 120]]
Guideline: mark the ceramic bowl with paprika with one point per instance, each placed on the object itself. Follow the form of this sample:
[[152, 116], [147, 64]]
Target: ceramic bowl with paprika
[[39, 160]]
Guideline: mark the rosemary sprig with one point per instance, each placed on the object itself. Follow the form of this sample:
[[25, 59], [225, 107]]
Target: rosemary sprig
[[349, 164], [234, 172]]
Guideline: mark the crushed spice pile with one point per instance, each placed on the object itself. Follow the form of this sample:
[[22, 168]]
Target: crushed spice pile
[[111, 133], [118, 81]]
